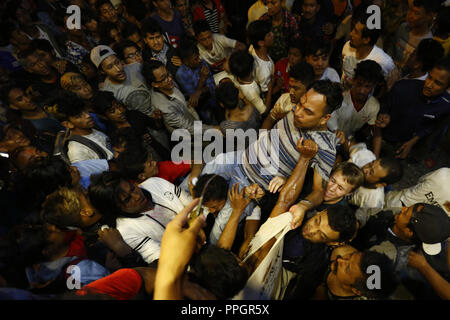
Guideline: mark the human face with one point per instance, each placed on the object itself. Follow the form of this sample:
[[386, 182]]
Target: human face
[[82, 89], [361, 89], [150, 169], [402, 220], [373, 172], [318, 230], [14, 139], [319, 63], [268, 40], [108, 13], [274, 7], [308, 113], [296, 90], [310, 8], [116, 113], [417, 16], [91, 25], [88, 70], [347, 268], [132, 55], [193, 61], [131, 198], [337, 187], [155, 41], [115, 35], [164, 79], [19, 100], [45, 56], [356, 40], [436, 83], [29, 155], [82, 121], [214, 206], [136, 38], [181, 7], [163, 5], [34, 64], [113, 68], [206, 40], [294, 56]]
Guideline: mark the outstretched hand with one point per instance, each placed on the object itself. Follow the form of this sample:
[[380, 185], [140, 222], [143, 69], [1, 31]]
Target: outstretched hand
[[307, 148]]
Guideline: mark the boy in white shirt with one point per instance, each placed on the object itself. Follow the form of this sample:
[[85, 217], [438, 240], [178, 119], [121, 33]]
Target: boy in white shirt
[[317, 53]]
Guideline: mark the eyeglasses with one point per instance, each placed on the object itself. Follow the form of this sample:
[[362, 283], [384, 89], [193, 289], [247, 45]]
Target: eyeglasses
[[165, 78], [134, 54]]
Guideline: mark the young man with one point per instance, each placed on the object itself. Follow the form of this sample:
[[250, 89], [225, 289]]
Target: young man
[[362, 46], [411, 110], [359, 106], [196, 81], [283, 26], [77, 120], [108, 13], [418, 24], [125, 82], [317, 53], [213, 12], [423, 59], [170, 21], [261, 39], [157, 46], [214, 48], [282, 67], [129, 52], [313, 24]]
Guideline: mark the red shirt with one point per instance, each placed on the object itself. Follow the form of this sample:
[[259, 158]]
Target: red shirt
[[281, 72], [171, 171]]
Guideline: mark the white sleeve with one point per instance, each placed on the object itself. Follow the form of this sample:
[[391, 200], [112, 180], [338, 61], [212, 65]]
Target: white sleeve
[[225, 41], [255, 100], [78, 152], [360, 155], [256, 214], [374, 108], [149, 249], [184, 197]]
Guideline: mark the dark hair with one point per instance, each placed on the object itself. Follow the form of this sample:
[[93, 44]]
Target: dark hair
[[148, 68], [429, 52], [360, 15], [442, 24], [45, 176], [68, 105], [370, 71], [151, 26], [5, 90], [217, 188], [201, 26], [100, 3], [42, 44], [387, 277], [102, 101], [129, 29], [332, 91], [228, 95], [104, 30], [302, 72], [120, 47], [443, 64], [125, 135], [218, 271], [257, 31], [131, 162], [317, 47], [298, 44], [88, 15], [394, 170], [186, 49], [430, 6], [342, 219], [28, 242], [136, 8], [103, 193], [241, 63]]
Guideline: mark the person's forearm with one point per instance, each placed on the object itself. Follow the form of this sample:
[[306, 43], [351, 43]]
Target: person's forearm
[[377, 138], [315, 197], [251, 227], [291, 190], [167, 286], [229, 232], [437, 282], [268, 123]]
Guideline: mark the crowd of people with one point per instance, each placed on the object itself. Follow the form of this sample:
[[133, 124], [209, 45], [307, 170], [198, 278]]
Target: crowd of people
[[94, 205]]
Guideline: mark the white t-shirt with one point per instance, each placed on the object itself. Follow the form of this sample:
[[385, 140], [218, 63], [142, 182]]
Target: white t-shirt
[[252, 93], [431, 188], [331, 75], [365, 197], [262, 71], [221, 48], [377, 54], [79, 152], [347, 119]]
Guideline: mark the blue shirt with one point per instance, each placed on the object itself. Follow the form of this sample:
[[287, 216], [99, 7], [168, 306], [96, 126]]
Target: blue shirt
[[188, 79], [412, 114], [90, 167]]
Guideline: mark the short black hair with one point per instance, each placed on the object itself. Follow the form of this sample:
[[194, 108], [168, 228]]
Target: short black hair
[[370, 71], [122, 45], [136, 8], [102, 101], [104, 30], [430, 6], [150, 26], [342, 219], [429, 52], [131, 162], [257, 31], [42, 44], [68, 105], [298, 44], [388, 279], [217, 188], [241, 63], [100, 3], [302, 72], [148, 68], [201, 26], [443, 64], [218, 271], [332, 91], [360, 15], [317, 47], [129, 29], [187, 48], [394, 170], [442, 24], [228, 95]]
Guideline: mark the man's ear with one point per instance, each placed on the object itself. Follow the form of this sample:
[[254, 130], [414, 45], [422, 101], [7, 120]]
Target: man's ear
[[68, 124], [324, 119], [141, 176]]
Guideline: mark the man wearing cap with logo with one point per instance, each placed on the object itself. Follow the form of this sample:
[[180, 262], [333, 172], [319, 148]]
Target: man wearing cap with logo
[[416, 232], [125, 82]]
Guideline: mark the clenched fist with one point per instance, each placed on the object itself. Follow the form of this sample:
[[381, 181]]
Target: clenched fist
[[307, 148]]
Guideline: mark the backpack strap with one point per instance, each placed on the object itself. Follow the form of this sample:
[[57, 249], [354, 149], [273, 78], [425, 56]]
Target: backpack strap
[[90, 144]]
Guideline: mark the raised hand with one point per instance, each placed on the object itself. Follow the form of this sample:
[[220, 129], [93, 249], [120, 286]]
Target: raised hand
[[307, 148], [276, 183], [238, 200]]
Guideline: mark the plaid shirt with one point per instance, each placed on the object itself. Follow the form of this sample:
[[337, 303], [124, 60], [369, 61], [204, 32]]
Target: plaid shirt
[[290, 24]]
